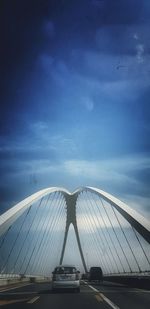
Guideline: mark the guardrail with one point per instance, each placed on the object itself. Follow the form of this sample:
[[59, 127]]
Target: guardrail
[[132, 280], [10, 279]]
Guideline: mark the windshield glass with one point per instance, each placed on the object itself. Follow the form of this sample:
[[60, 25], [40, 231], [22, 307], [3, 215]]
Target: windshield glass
[[65, 270]]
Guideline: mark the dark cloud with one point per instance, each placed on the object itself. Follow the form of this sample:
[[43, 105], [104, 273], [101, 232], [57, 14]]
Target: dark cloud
[[122, 12], [8, 194], [74, 85], [26, 153]]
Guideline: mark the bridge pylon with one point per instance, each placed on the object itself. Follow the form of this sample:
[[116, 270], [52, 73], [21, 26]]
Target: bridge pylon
[[71, 218]]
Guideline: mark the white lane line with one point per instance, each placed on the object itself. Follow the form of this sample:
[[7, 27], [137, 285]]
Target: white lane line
[[33, 300], [99, 299], [107, 300], [95, 290], [13, 301]]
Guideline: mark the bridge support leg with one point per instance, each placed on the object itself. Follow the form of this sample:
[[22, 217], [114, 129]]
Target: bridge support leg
[[79, 245], [78, 242], [64, 243]]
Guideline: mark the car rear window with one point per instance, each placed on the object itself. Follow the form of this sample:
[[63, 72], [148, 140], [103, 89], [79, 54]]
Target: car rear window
[[65, 270], [95, 269]]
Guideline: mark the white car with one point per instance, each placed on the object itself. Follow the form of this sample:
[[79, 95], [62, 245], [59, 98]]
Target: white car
[[66, 276]]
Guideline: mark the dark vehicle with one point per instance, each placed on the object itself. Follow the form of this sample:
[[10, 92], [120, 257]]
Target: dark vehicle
[[85, 276], [96, 274]]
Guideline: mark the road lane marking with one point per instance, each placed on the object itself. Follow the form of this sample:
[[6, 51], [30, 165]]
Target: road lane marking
[[107, 300], [33, 300], [95, 290], [99, 299], [8, 302]]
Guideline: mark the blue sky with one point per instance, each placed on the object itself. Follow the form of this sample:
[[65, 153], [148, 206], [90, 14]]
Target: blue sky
[[75, 92]]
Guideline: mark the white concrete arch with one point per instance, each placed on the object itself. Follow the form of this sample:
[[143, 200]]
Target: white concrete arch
[[11, 215], [140, 223]]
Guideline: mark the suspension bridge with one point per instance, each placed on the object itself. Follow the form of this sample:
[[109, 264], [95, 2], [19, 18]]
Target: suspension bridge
[[88, 227]]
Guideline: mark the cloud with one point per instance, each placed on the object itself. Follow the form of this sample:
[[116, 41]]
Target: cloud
[[115, 170], [38, 127], [138, 202], [107, 76], [123, 40], [116, 176], [46, 152], [135, 36], [87, 103]]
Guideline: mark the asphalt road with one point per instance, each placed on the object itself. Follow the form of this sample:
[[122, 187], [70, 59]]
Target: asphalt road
[[104, 296]]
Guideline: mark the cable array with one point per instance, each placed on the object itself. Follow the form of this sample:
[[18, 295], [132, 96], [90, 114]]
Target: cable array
[[98, 236], [108, 238], [32, 245]]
